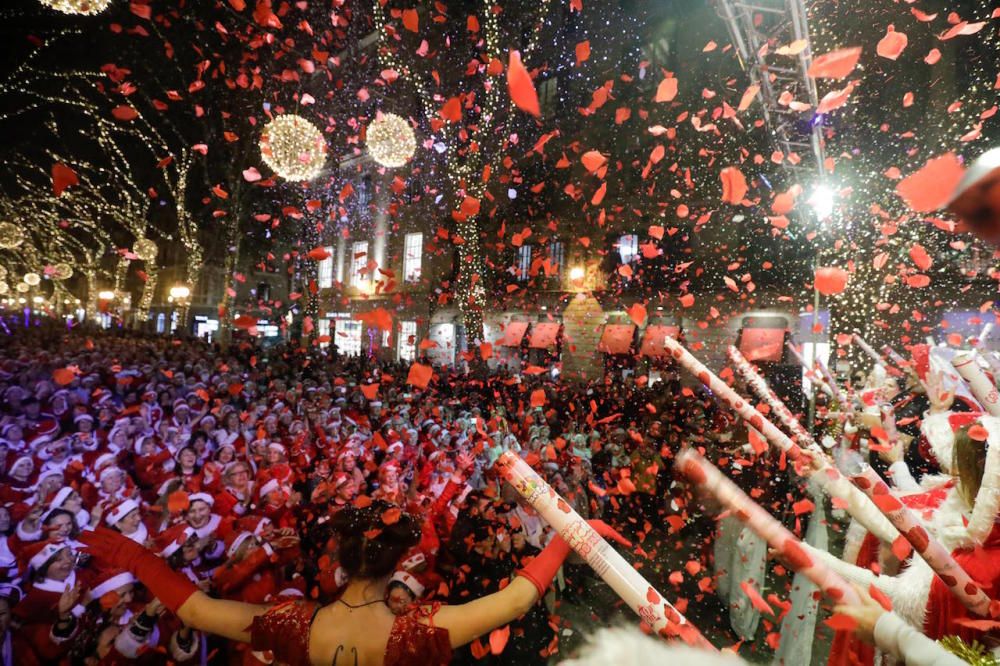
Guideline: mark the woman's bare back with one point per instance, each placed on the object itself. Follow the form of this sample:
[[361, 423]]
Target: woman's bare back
[[342, 636]]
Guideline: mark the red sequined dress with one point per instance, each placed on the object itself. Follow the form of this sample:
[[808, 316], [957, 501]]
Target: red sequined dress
[[284, 632]]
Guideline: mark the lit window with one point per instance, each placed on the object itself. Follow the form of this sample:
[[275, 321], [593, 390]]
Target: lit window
[[523, 262], [359, 262], [324, 329], [325, 268], [413, 248], [628, 248], [407, 340], [557, 255], [347, 336]]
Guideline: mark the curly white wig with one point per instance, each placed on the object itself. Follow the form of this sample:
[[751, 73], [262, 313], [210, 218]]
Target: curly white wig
[[626, 646]]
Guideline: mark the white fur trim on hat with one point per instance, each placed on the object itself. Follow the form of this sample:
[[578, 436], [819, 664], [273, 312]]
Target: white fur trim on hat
[[201, 497], [119, 511], [937, 430], [414, 561], [60, 497], [47, 552], [269, 487], [112, 583], [237, 542], [410, 581]]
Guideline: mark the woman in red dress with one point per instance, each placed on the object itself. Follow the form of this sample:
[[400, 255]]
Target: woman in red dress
[[358, 628]]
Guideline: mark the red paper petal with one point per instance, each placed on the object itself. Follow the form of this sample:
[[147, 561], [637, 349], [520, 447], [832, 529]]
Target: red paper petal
[[521, 87], [836, 64], [932, 185]]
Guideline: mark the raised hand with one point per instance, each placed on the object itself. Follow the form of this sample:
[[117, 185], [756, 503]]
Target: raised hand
[[69, 597]]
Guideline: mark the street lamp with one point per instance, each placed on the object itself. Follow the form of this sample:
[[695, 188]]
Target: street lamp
[[180, 295]]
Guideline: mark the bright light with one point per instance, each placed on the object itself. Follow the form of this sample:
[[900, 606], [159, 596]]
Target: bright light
[[179, 292], [821, 201], [576, 273], [106, 295], [38, 300]]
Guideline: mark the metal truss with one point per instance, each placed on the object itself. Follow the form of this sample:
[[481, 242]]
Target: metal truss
[[774, 23]]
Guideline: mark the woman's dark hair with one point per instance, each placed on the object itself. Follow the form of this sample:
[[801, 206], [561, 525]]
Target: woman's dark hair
[[969, 461], [55, 513], [371, 541]]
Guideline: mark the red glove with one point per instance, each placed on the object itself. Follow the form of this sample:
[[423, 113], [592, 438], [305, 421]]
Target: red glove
[[541, 570], [113, 549]]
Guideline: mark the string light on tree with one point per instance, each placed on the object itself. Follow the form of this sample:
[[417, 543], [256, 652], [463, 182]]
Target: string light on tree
[[85, 7], [32, 279], [62, 271], [293, 148], [390, 140], [11, 236], [145, 249]]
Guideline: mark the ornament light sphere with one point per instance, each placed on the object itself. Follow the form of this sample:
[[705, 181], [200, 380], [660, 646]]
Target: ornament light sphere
[[22, 287], [32, 279], [4, 287], [11, 236], [145, 249], [293, 148], [62, 271], [86, 7], [3, 273], [390, 140]]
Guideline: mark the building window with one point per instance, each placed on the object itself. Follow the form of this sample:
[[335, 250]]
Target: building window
[[359, 262], [557, 256], [524, 262], [365, 192], [407, 340], [628, 248], [548, 91], [325, 268], [413, 248], [347, 336], [324, 329]]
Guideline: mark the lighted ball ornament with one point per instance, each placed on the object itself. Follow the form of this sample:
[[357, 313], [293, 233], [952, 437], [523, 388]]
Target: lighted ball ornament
[[62, 271], [145, 249], [390, 140], [11, 236], [85, 7], [293, 148], [32, 279]]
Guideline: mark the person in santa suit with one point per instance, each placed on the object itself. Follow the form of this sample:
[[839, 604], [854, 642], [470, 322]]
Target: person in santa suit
[[126, 517], [46, 617], [237, 493], [12, 439], [390, 487], [199, 517], [965, 523], [84, 439], [69, 500], [252, 571], [277, 501], [152, 465], [403, 591], [18, 484], [188, 469], [231, 433]]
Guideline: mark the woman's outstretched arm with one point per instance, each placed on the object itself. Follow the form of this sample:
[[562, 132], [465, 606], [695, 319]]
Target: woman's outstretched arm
[[231, 619], [466, 622]]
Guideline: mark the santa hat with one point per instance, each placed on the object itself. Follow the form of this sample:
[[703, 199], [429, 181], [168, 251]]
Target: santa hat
[[254, 524], [60, 497], [102, 461], [119, 511], [169, 541], [235, 539], [180, 403], [83, 417], [409, 581], [201, 497], [109, 580], [40, 442], [939, 430], [277, 446], [108, 471], [271, 486], [37, 555], [413, 562]]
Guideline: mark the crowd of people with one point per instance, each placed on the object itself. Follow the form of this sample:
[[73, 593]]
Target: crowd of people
[[160, 495]]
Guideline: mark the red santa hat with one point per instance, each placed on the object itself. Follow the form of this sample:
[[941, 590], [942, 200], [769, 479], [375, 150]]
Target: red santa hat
[[169, 541], [119, 511], [83, 417], [409, 581], [109, 580], [37, 555], [60, 497], [254, 524], [272, 485], [235, 539], [102, 461], [414, 561]]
